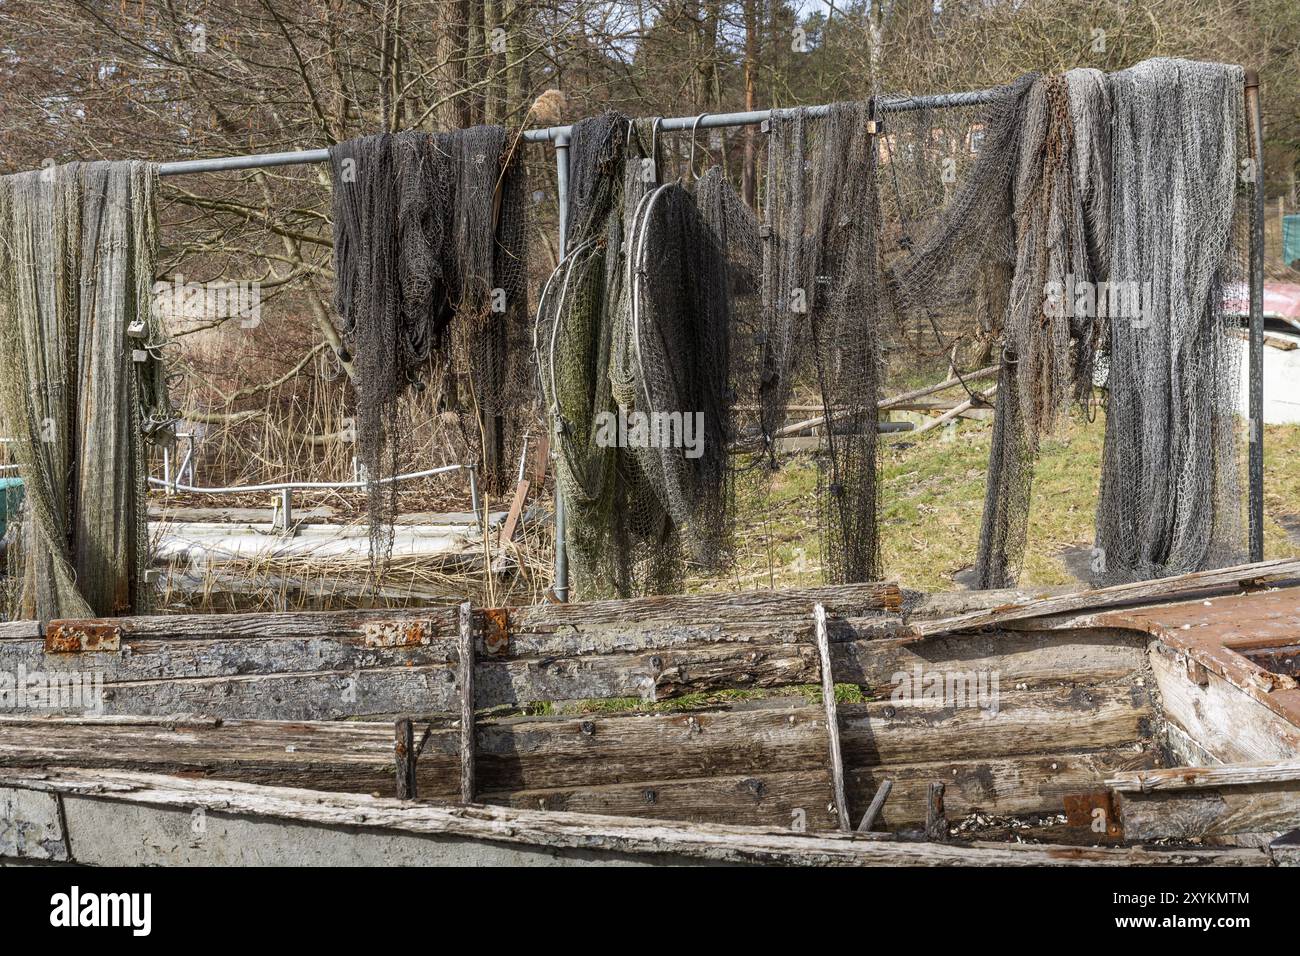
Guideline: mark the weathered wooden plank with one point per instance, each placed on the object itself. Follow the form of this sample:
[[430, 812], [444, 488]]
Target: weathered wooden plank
[[1017, 657], [832, 718], [405, 754], [1161, 589], [1184, 802], [1211, 811], [547, 753], [465, 678], [852, 600], [1033, 784], [1228, 724], [936, 816], [877, 804], [1203, 778], [346, 818], [20, 630], [325, 679]]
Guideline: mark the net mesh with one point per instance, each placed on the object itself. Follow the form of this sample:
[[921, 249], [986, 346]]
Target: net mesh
[[1073, 214], [1171, 497], [821, 316], [634, 344], [78, 244], [429, 233]]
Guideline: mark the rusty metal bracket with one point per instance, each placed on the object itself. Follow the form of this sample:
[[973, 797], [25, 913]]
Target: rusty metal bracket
[[496, 630], [398, 633], [80, 637], [1096, 811]]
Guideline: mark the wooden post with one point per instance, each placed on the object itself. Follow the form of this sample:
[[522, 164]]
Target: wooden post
[[877, 803], [467, 743], [404, 749], [832, 717], [936, 821]]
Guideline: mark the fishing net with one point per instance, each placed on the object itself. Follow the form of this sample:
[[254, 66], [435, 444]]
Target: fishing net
[[429, 260], [82, 386], [670, 372], [1170, 497], [735, 229], [821, 316], [1062, 230], [633, 342], [573, 338]]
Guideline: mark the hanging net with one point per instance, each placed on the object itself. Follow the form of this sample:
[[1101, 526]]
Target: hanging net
[[821, 316], [429, 260], [1065, 228], [82, 387], [633, 344], [1171, 497]]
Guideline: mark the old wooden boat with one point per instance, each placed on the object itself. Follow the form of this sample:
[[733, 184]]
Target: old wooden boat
[[1152, 723]]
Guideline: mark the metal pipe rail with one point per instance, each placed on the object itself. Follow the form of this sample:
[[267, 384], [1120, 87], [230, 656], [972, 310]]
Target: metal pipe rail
[[286, 488], [891, 104]]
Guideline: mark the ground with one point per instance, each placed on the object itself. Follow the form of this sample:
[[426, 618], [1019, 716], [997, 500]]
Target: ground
[[933, 497]]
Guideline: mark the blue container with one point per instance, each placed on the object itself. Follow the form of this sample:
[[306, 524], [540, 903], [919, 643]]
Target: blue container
[[11, 499], [1291, 239]]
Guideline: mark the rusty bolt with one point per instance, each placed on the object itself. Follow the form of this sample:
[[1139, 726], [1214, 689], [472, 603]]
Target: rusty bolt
[[588, 727]]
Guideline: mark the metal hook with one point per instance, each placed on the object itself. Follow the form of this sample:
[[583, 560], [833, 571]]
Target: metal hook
[[690, 163]]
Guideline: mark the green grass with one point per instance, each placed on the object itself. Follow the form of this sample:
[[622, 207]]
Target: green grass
[[933, 498]]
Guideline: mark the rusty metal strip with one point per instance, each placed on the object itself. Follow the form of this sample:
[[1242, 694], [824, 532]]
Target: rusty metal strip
[[496, 630], [398, 633], [79, 637], [1097, 812]]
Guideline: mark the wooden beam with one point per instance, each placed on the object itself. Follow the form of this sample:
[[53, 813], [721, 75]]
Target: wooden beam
[[1159, 590], [342, 817], [936, 819], [465, 673], [852, 600], [330, 678], [832, 718], [755, 764], [1206, 778], [877, 804], [404, 750], [1195, 802], [512, 517]]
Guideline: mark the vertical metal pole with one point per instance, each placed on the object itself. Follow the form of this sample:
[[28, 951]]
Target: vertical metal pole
[[286, 508], [479, 518], [1255, 124], [562, 195]]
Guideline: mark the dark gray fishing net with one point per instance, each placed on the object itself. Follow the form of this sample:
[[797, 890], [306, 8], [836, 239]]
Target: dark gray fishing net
[[821, 311], [1088, 183], [1171, 497], [429, 259], [633, 343]]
